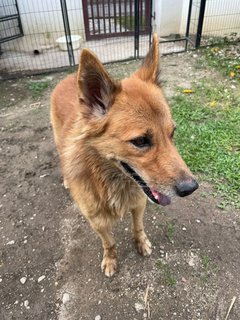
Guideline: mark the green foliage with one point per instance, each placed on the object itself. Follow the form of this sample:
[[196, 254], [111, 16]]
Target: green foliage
[[225, 59], [208, 136], [168, 278], [37, 88], [170, 230]]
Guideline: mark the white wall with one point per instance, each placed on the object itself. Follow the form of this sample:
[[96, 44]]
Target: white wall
[[220, 17], [168, 16], [42, 23], [46, 15]]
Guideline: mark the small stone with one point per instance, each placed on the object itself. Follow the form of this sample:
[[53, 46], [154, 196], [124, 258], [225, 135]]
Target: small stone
[[184, 228], [65, 298], [26, 304], [98, 317], [23, 280], [41, 278], [139, 306], [0, 279], [11, 242], [198, 221]]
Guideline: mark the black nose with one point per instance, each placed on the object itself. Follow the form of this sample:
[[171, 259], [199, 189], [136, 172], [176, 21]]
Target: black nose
[[186, 187]]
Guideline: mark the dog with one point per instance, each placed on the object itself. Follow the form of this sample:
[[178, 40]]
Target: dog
[[115, 142]]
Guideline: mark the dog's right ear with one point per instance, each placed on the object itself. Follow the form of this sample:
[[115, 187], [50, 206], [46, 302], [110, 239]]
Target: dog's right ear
[[96, 88]]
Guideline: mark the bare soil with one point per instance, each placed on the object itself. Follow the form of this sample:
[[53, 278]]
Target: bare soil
[[50, 258]]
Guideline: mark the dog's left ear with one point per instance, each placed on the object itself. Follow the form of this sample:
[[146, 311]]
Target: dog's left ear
[[149, 70], [96, 88]]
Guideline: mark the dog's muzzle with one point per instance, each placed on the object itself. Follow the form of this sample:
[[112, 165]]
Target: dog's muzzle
[[152, 194]]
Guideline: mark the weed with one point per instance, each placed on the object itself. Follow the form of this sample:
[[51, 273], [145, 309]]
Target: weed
[[170, 230], [207, 268], [169, 279], [205, 262], [208, 137], [223, 58], [37, 88]]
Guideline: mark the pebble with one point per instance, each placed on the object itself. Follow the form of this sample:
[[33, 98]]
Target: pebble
[[11, 242], [184, 228], [23, 280], [139, 306], [41, 278], [0, 279], [198, 221], [98, 317], [26, 304], [65, 298]]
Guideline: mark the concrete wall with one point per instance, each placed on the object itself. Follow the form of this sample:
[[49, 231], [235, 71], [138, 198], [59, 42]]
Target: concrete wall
[[42, 23], [46, 15], [221, 17]]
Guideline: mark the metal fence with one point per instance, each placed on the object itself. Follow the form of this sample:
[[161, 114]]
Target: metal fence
[[213, 22], [40, 36]]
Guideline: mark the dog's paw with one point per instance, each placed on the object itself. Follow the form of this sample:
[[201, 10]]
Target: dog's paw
[[109, 266], [143, 246]]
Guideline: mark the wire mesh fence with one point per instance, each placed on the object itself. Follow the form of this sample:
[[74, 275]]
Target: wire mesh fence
[[214, 21], [39, 36]]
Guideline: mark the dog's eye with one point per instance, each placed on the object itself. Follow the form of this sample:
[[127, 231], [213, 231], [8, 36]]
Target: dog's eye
[[141, 142]]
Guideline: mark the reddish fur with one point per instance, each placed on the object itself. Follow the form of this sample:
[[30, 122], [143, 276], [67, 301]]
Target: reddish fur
[[90, 145]]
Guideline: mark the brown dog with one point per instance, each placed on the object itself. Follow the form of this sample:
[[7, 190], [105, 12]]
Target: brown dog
[[116, 149]]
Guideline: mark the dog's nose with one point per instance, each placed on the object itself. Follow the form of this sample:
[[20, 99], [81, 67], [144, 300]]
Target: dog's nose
[[186, 187]]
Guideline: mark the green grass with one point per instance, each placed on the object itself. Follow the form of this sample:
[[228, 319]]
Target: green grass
[[224, 59], [168, 278], [37, 88], [208, 136], [170, 230], [128, 22]]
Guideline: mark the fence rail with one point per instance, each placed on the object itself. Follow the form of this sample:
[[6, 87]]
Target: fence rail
[[36, 36]]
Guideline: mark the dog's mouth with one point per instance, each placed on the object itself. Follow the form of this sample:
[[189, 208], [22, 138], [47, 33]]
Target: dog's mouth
[[152, 194]]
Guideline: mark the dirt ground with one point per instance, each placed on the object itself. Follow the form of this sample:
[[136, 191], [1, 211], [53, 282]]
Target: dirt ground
[[50, 258]]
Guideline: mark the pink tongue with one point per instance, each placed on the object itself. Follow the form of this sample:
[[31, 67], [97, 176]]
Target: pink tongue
[[161, 198]]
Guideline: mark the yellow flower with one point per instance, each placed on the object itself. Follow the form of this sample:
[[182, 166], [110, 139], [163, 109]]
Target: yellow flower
[[212, 103], [231, 74], [188, 91]]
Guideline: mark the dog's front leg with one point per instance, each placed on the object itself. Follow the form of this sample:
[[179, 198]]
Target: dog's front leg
[[109, 262], [140, 238]]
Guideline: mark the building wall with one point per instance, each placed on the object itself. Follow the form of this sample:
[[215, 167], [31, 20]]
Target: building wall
[[221, 17]]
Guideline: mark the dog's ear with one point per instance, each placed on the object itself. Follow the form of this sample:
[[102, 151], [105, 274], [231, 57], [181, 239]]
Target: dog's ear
[[96, 88], [149, 70]]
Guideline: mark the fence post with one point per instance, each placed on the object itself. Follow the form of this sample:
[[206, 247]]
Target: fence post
[[200, 23], [136, 29], [188, 24], [67, 33]]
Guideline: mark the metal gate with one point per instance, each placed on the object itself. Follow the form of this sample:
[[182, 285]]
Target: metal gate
[[112, 18], [10, 22]]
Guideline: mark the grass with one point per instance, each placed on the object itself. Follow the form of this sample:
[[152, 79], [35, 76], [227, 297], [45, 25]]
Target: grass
[[170, 230], [127, 22], [207, 268], [208, 136], [37, 88], [168, 278], [224, 59]]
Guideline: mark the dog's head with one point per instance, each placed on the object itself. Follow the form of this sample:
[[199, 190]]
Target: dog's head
[[131, 124]]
